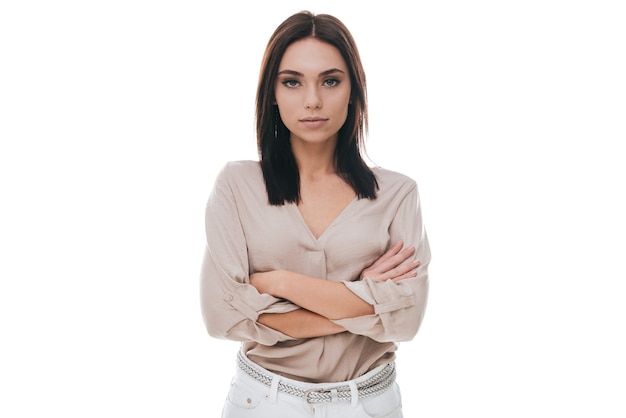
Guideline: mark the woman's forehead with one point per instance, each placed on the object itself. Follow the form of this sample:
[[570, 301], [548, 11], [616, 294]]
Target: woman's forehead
[[310, 56]]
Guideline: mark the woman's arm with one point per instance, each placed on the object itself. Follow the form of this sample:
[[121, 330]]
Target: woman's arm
[[333, 300], [300, 324], [399, 305], [230, 306]]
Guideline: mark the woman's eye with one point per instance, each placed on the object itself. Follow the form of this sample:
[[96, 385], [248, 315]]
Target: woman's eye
[[291, 83], [331, 82]]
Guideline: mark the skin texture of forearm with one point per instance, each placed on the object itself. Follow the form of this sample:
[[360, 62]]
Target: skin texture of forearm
[[300, 324], [332, 300]]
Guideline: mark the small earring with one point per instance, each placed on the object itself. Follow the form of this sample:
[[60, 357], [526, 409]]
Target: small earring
[[276, 116]]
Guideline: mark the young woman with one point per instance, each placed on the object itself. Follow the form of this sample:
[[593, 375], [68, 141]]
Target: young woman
[[316, 262]]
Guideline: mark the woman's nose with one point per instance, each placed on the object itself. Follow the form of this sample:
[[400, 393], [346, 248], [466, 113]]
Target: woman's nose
[[312, 99]]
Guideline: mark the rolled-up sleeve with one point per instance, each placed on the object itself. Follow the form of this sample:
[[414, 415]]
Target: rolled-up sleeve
[[398, 306], [230, 305]]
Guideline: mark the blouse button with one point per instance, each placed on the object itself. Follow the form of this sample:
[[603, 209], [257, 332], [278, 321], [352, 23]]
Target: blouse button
[[229, 297]]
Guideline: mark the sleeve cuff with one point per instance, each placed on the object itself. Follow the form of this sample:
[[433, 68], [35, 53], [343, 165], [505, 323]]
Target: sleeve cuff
[[383, 296]]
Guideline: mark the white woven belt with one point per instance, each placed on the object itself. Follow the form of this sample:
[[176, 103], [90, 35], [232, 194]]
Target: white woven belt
[[373, 386]]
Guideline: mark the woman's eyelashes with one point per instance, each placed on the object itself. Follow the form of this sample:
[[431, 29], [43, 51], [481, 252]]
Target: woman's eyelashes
[[290, 83], [293, 83]]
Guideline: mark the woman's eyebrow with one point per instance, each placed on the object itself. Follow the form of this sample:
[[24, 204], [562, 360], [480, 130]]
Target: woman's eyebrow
[[299, 74], [331, 71], [291, 72]]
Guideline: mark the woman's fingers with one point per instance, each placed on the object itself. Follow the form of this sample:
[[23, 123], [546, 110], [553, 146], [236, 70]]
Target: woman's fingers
[[395, 260], [388, 254], [391, 265], [384, 262], [404, 271]]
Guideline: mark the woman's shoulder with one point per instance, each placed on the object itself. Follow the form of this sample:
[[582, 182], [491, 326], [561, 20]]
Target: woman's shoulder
[[393, 187], [392, 179], [241, 166], [244, 179], [240, 170], [241, 174]]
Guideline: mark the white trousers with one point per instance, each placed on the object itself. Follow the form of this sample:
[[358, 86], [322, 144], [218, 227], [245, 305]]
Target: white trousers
[[249, 398]]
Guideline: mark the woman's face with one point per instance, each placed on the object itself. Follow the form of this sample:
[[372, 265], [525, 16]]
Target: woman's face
[[313, 91]]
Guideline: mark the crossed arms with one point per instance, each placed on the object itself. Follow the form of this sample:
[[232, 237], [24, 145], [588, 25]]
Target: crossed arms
[[322, 301]]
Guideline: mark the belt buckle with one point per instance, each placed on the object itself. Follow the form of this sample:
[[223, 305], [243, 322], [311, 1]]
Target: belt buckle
[[308, 392]]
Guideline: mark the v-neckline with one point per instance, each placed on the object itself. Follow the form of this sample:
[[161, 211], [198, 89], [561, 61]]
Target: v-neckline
[[330, 225]]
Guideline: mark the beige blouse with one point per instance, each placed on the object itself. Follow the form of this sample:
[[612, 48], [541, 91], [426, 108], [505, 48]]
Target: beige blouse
[[246, 235]]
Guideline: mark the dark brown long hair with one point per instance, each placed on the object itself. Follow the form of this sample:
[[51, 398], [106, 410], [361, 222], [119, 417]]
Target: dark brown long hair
[[280, 170]]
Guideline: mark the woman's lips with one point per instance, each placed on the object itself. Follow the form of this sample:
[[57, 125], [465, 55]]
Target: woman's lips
[[313, 122]]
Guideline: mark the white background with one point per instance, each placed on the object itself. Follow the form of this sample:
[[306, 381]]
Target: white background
[[115, 116]]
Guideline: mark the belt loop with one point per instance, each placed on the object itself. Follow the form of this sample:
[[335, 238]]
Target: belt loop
[[354, 394], [274, 389]]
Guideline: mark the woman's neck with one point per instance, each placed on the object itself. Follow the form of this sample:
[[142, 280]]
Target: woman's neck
[[314, 160]]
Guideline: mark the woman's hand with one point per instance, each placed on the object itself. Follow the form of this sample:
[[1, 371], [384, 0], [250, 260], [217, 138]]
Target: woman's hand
[[266, 282], [257, 280], [388, 266]]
